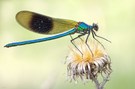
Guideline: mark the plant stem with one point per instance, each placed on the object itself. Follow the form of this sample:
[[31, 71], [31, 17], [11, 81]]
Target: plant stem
[[102, 84]]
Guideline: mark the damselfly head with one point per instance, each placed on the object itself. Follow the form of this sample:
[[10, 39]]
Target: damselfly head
[[95, 27]]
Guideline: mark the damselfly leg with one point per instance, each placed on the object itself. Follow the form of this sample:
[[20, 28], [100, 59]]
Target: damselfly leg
[[94, 34]]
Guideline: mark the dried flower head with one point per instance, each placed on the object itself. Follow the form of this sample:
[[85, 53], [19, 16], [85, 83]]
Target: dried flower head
[[88, 66]]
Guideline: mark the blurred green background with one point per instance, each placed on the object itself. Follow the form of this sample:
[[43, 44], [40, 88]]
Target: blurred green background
[[41, 66]]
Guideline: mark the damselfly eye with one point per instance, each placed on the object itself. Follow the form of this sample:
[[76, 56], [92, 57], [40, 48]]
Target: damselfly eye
[[95, 27]]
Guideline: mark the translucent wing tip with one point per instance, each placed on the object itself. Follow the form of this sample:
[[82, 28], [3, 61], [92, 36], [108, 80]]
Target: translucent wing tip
[[24, 18]]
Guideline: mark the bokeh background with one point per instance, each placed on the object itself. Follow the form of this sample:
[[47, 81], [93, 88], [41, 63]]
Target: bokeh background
[[41, 66]]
